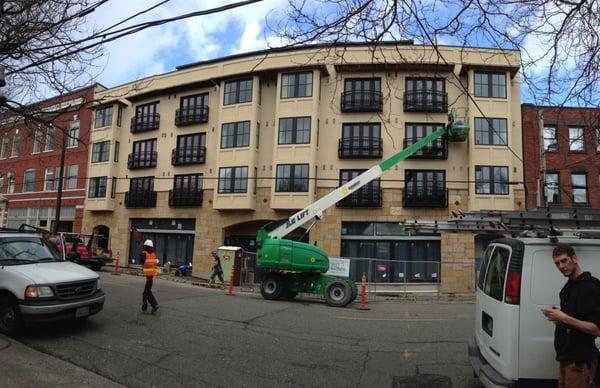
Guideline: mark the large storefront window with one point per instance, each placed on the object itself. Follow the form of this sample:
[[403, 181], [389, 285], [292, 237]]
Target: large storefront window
[[41, 217], [173, 239], [387, 254]]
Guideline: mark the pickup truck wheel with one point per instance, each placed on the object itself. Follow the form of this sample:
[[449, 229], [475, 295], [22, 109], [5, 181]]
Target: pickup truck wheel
[[271, 287], [10, 316], [338, 293]]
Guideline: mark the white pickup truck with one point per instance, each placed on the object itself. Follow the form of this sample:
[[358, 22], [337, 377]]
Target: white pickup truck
[[38, 286]]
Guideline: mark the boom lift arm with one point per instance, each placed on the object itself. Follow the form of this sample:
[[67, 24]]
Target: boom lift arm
[[454, 130]]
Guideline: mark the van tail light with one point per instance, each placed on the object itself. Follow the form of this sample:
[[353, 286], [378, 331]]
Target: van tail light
[[512, 295]]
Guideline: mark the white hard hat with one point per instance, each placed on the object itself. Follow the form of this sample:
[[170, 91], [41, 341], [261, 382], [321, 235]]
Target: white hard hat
[[148, 243]]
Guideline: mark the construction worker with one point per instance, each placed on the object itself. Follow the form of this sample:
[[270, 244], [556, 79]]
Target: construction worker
[[148, 257]]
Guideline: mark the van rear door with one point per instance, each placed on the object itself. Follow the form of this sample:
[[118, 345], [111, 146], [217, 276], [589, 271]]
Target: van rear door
[[497, 307]]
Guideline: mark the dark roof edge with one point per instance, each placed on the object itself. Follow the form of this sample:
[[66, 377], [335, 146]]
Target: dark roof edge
[[49, 99], [323, 45], [530, 104]]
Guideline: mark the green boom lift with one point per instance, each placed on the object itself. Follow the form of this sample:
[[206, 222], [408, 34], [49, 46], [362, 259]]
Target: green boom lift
[[291, 266]]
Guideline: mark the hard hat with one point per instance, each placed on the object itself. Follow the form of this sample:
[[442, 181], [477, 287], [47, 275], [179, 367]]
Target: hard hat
[[148, 243]]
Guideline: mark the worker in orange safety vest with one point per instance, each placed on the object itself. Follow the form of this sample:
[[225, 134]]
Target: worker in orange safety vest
[[148, 257]]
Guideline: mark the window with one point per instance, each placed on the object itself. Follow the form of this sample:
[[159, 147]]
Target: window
[[73, 134], [49, 179], [15, 145], [552, 187], [237, 92], [576, 139], [37, 141], [1, 182], [113, 189], [103, 117], [192, 105], [57, 178], [72, 177], [4, 151], [491, 180], [550, 140], [10, 177], [294, 85], [362, 85], [29, 181], [425, 85], [50, 138], [424, 183], [100, 151], [495, 272], [490, 84], [579, 187], [235, 134], [417, 131], [141, 185], [233, 179], [191, 183], [292, 178], [361, 133], [425, 94], [367, 196], [119, 116], [490, 131], [294, 130], [97, 187], [117, 149]]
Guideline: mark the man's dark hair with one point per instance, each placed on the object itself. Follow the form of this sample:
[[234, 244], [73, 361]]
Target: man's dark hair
[[561, 249]]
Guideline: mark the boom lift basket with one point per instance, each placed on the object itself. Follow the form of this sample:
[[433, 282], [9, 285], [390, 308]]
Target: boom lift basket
[[458, 125]]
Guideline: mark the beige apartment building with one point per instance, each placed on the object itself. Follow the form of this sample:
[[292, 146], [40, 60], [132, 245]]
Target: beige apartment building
[[205, 155]]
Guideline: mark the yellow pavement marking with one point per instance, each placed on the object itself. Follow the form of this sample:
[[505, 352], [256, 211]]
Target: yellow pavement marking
[[392, 319]]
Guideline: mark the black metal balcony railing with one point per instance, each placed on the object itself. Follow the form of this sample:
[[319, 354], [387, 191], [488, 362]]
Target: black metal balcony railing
[[425, 101], [185, 198], [196, 114], [368, 196], [147, 159], [438, 149], [143, 123], [360, 147], [140, 199], [362, 101], [424, 197], [187, 156]]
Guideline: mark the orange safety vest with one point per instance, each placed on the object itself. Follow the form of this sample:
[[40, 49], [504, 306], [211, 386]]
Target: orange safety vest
[[151, 265]]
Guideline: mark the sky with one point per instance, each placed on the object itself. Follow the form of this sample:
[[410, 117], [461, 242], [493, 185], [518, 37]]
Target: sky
[[160, 49]]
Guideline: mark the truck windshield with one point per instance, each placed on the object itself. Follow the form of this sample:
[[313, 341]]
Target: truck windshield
[[27, 250]]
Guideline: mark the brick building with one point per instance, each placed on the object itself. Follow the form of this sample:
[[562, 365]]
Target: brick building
[[30, 156], [205, 155], [568, 174]]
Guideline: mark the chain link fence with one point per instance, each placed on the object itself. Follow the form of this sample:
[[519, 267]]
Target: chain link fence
[[396, 277]]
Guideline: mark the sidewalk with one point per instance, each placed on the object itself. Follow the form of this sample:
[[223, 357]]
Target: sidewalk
[[24, 367]]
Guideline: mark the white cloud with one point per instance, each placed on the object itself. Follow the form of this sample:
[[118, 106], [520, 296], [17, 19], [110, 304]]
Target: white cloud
[[160, 49]]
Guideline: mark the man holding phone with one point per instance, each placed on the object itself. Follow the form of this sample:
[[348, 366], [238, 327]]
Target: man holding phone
[[577, 321]]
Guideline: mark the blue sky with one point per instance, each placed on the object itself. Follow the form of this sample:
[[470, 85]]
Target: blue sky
[[160, 49]]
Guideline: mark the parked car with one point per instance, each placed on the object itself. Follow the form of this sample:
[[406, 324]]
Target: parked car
[[38, 286], [82, 249], [514, 342]]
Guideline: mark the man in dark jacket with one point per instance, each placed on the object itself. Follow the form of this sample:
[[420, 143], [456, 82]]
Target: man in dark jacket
[[577, 321], [148, 257], [217, 269]]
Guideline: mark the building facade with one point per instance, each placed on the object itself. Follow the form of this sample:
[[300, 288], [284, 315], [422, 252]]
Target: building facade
[[562, 155], [205, 155], [30, 159]]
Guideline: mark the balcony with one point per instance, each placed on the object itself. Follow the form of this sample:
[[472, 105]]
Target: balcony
[[438, 149], [185, 198], [143, 123], [424, 197], [360, 148], [140, 199], [368, 196], [197, 114], [425, 101], [146, 159], [188, 156], [362, 101]]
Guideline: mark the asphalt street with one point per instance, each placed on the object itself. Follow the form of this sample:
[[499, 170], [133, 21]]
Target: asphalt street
[[201, 337]]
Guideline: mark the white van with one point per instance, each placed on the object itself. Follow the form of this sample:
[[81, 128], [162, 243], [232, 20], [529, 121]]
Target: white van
[[38, 286], [514, 342]]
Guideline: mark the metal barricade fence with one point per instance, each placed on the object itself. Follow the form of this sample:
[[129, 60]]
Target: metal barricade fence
[[400, 277]]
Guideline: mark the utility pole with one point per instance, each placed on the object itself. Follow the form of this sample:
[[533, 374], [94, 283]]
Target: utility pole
[[60, 183]]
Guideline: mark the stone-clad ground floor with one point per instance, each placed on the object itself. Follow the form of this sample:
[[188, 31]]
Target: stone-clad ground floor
[[184, 235]]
